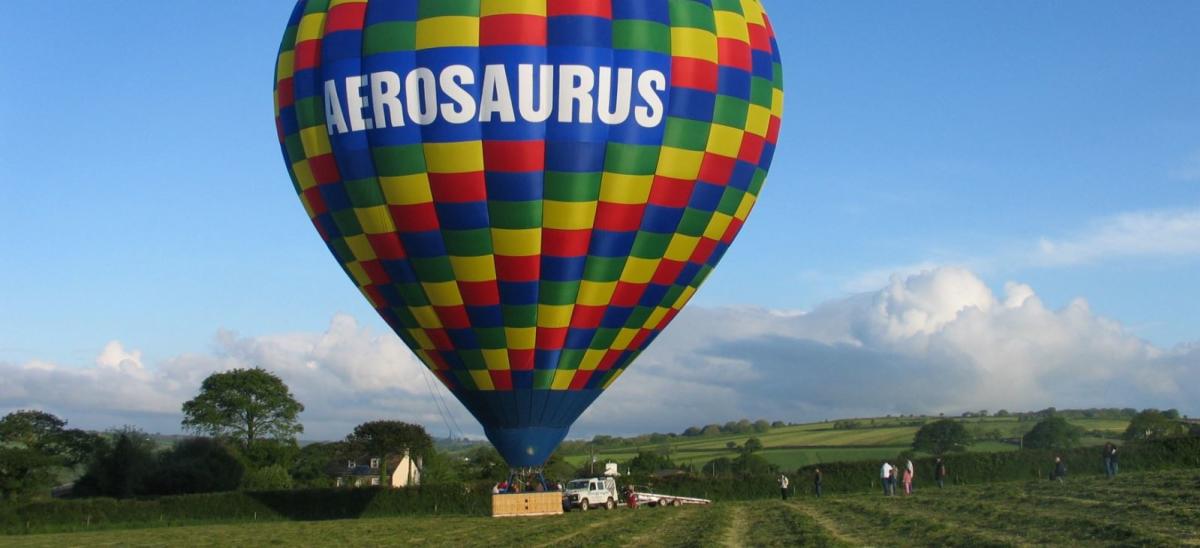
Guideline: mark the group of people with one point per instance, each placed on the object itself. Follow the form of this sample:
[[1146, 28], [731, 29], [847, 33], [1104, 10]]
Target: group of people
[[888, 473], [887, 477], [531, 485], [785, 483]]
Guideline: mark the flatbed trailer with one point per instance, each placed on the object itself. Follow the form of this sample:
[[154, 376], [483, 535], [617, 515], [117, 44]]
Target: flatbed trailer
[[656, 499]]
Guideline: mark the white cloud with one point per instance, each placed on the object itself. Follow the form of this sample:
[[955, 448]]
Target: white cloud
[[939, 340], [1135, 234], [344, 376]]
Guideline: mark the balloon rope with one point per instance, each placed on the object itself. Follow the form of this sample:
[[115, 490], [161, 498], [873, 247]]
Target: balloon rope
[[433, 396]]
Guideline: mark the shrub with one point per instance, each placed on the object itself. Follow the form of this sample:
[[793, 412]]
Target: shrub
[[268, 478]]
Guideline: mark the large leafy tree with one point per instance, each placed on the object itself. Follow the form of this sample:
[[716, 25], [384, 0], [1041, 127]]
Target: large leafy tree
[[941, 437], [383, 438], [1053, 432], [1152, 424], [246, 405], [35, 446]]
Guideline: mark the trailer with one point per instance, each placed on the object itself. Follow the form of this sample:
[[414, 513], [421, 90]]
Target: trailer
[[657, 499]]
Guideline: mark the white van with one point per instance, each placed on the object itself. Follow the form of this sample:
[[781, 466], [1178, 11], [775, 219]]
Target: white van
[[590, 493]]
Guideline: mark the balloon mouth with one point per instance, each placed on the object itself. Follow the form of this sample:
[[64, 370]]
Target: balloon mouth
[[526, 447]]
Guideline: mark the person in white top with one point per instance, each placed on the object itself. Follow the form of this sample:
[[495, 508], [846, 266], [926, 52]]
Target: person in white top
[[885, 477], [783, 486]]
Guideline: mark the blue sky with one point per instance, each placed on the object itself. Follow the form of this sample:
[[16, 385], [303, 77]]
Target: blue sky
[[1052, 144]]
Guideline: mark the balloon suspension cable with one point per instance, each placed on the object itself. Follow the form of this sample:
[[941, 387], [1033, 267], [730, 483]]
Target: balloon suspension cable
[[526, 480], [440, 405]]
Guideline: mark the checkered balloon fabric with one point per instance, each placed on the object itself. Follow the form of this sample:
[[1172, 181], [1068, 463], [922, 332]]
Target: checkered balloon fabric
[[528, 191]]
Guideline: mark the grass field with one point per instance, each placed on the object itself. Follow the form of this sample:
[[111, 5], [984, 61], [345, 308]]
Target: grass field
[[1144, 509], [792, 447]]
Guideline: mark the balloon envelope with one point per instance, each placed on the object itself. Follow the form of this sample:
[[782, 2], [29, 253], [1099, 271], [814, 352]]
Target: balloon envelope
[[528, 191]]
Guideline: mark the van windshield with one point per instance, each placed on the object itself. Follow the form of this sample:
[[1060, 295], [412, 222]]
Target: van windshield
[[578, 484]]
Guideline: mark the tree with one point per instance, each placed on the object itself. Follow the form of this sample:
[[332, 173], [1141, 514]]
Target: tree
[[46, 433], [32, 429], [311, 465], [692, 431], [778, 424], [941, 437], [197, 465], [752, 445], [23, 472], [244, 404], [120, 469], [731, 444], [269, 478], [34, 450], [648, 462], [1052, 432], [761, 426], [710, 430], [384, 438], [1152, 424]]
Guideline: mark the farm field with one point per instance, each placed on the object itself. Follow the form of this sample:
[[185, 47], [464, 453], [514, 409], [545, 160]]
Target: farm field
[[795, 446], [1147, 509]]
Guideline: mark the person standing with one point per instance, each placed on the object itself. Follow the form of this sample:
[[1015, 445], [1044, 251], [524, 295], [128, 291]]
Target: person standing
[[885, 476], [892, 480], [908, 477], [1108, 467], [783, 486], [939, 471], [817, 482], [1060, 469], [1112, 457], [911, 472]]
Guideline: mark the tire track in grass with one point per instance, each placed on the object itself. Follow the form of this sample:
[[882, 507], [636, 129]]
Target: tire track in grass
[[961, 531], [737, 526], [676, 529], [869, 532], [926, 529], [1046, 525], [573, 538], [831, 528], [1181, 521], [777, 523]]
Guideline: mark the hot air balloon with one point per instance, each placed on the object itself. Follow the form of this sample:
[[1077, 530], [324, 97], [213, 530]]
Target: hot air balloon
[[528, 191]]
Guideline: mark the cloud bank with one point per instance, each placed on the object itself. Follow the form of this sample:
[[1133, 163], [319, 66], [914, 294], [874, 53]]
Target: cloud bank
[[936, 341]]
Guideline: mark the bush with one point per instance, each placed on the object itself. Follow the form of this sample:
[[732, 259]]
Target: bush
[[1053, 433], [269, 478], [197, 465], [237, 506]]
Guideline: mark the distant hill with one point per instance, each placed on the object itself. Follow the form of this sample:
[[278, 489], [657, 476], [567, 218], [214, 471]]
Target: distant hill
[[794, 445]]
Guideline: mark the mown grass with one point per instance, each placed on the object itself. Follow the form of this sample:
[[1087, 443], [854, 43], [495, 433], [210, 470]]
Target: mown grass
[[1143, 509]]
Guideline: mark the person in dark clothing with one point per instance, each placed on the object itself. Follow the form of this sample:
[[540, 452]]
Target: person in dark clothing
[[1108, 467], [817, 482], [939, 472], [1112, 457], [783, 486], [1060, 469]]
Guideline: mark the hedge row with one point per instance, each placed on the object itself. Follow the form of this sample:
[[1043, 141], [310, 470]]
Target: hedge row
[[475, 499], [240, 506], [1027, 464]]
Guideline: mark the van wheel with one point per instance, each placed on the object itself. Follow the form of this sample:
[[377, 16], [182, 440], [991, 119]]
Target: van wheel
[[610, 504], [583, 505]]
